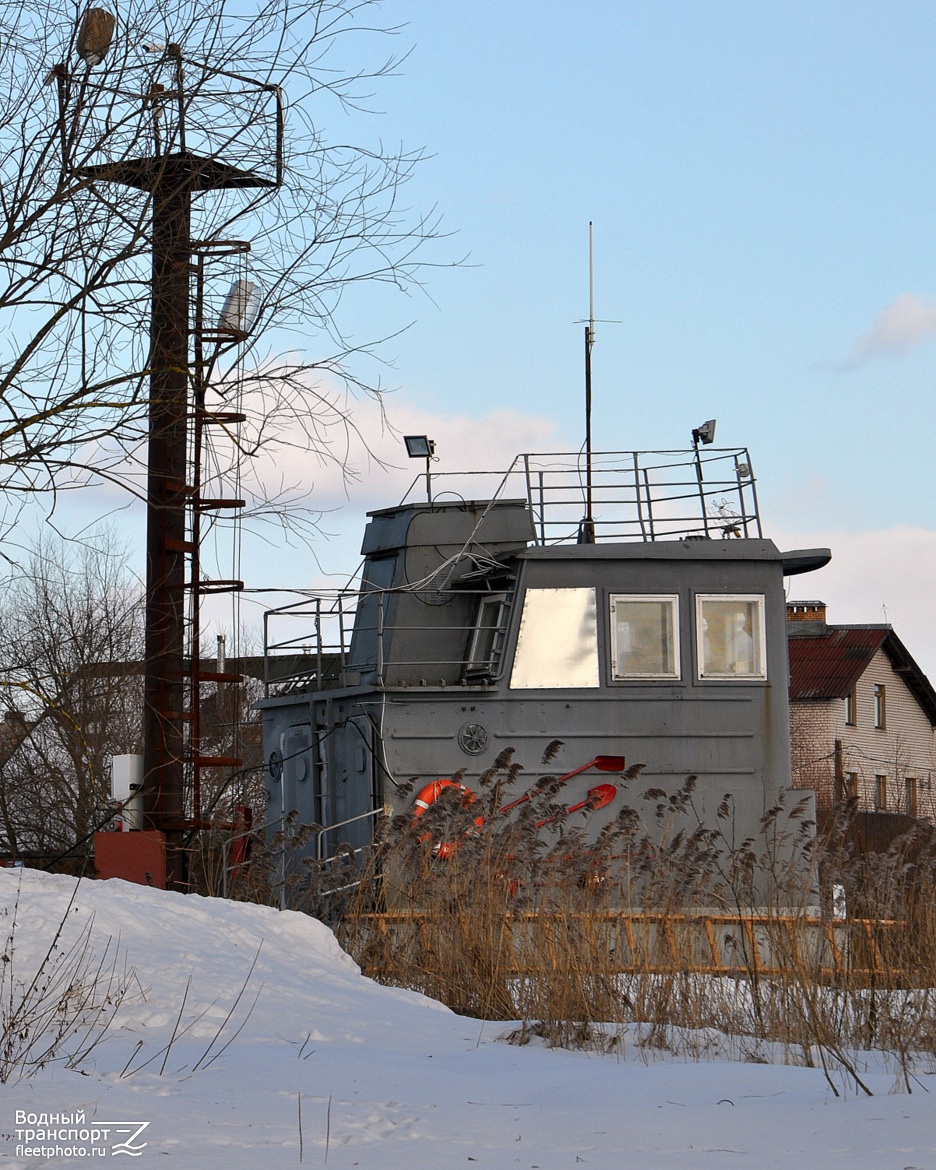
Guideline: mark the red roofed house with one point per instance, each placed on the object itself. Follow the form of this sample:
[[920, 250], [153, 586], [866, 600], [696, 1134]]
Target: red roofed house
[[862, 715]]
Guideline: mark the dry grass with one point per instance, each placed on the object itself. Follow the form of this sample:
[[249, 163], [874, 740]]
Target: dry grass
[[58, 1013], [674, 931]]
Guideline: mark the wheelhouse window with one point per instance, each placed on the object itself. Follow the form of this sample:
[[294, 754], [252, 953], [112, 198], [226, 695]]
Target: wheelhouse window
[[484, 636], [557, 645], [644, 636], [730, 636]]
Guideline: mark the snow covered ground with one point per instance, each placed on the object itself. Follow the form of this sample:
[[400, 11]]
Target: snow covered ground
[[247, 1039]]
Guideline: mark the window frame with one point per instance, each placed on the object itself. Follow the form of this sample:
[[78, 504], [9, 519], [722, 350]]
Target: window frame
[[851, 708], [669, 599], [880, 792], [760, 641], [475, 667], [880, 707]]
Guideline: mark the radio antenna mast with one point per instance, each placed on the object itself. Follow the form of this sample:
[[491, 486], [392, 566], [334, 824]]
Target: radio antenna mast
[[586, 532]]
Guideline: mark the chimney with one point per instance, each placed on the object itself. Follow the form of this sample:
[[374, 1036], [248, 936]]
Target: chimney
[[806, 611], [806, 619]]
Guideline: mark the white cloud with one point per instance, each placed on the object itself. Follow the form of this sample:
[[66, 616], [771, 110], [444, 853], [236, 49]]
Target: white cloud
[[377, 474], [908, 321], [377, 470], [874, 576], [885, 575], [328, 452], [361, 465]]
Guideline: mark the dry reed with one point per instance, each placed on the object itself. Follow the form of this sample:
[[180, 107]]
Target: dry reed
[[658, 926]]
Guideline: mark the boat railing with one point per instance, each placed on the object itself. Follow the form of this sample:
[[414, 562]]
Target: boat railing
[[308, 647], [706, 493], [627, 495]]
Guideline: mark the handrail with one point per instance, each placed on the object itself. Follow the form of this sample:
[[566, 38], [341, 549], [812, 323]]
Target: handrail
[[637, 496]]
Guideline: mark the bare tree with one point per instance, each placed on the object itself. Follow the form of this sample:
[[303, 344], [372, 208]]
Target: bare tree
[[75, 241], [71, 697], [233, 800], [150, 159], [70, 692]]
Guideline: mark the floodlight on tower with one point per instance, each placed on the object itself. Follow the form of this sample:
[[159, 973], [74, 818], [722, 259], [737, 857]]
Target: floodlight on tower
[[240, 309], [95, 35]]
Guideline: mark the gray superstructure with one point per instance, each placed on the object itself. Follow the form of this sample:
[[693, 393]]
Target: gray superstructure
[[479, 624]]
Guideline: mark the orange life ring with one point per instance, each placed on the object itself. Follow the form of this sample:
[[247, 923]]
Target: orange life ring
[[432, 792]]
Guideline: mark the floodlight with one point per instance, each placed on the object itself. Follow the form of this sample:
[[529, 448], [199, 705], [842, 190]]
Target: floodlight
[[95, 35], [241, 306], [704, 434], [419, 446]]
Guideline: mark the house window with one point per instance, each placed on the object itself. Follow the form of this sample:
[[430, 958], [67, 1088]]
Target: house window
[[851, 785], [644, 636], [730, 636], [880, 706], [910, 796], [851, 709], [482, 651], [557, 645], [880, 793]]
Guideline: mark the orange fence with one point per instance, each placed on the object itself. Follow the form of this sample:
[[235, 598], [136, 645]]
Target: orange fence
[[774, 944]]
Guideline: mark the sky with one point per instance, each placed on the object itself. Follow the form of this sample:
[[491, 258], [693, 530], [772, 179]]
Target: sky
[[760, 180], [244, 1031]]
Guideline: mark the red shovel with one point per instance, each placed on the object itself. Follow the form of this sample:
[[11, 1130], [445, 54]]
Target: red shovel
[[600, 763], [597, 797]]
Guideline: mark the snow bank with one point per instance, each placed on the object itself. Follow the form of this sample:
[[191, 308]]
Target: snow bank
[[246, 1036]]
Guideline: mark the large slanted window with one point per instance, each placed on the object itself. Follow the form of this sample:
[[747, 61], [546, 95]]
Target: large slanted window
[[557, 645], [644, 636], [730, 636]]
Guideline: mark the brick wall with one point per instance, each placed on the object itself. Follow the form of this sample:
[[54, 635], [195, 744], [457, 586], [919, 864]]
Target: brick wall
[[905, 749]]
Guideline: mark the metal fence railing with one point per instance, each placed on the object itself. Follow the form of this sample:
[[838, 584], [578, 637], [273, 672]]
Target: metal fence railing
[[705, 493]]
